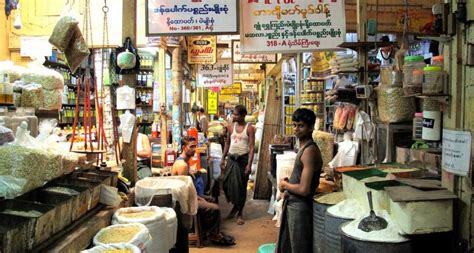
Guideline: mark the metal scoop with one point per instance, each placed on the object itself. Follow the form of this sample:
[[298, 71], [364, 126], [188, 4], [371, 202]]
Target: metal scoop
[[372, 222]]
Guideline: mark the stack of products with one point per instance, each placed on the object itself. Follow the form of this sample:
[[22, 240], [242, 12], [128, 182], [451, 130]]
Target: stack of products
[[320, 66], [343, 63]]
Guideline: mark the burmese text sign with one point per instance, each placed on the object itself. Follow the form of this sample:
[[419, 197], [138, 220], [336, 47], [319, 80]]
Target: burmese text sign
[[215, 75]]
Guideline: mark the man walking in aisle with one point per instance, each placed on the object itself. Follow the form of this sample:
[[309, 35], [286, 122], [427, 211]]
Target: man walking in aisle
[[296, 230], [237, 161]]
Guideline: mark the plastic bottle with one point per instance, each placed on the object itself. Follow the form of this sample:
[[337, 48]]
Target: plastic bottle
[[170, 156], [438, 61], [418, 126], [412, 65], [155, 128]]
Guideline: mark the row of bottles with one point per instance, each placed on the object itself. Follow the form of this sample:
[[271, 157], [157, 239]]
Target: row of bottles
[[145, 79], [67, 113], [144, 97], [80, 132], [146, 62]]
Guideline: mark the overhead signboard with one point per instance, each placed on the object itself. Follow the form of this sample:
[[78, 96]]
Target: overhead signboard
[[456, 156], [211, 102], [192, 17], [231, 99], [215, 75], [290, 26], [202, 49], [234, 89], [238, 57], [249, 86]]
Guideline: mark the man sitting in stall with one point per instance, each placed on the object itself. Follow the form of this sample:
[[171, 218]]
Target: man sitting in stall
[[208, 211]]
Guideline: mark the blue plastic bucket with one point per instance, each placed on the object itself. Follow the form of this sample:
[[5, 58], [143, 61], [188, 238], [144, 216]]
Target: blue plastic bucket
[[267, 248]]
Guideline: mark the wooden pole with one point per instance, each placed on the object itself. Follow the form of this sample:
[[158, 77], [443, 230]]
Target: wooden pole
[[177, 79]]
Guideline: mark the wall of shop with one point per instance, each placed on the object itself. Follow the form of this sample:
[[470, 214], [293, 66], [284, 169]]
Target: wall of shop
[[460, 115], [40, 16]]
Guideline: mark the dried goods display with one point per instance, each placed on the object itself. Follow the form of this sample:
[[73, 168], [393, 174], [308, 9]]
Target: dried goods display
[[63, 32], [325, 142], [47, 78], [331, 198], [36, 166], [119, 234], [29, 214], [52, 99], [12, 71], [393, 105], [32, 96], [138, 215], [114, 248], [62, 190]]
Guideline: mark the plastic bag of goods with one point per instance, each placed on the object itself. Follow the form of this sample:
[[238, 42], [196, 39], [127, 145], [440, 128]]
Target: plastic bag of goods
[[32, 96], [77, 50], [154, 219], [325, 142], [6, 135], [393, 106], [12, 71], [114, 248], [125, 98], [63, 32], [36, 166], [47, 78], [10, 187], [133, 233], [52, 99]]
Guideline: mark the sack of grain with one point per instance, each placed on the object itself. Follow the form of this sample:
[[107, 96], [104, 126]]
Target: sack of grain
[[49, 79], [114, 248], [154, 219], [393, 106], [133, 233], [76, 51]]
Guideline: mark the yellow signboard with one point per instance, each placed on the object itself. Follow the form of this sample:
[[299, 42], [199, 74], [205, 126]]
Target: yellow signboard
[[202, 49], [236, 88], [211, 102], [231, 99]]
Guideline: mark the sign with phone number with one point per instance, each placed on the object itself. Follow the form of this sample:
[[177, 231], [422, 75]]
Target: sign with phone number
[[290, 26], [191, 17]]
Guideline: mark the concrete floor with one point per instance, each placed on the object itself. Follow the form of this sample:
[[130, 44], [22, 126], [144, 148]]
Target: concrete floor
[[258, 228]]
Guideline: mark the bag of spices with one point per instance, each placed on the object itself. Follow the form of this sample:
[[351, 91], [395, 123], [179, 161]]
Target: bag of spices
[[63, 32], [32, 96]]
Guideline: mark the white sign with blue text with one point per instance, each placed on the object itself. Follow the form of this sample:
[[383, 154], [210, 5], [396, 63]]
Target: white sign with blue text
[[456, 157]]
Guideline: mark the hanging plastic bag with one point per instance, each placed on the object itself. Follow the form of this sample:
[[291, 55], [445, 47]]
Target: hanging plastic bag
[[125, 60], [114, 247], [127, 123], [133, 233], [346, 153], [76, 51], [52, 99], [363, 129], [125, 98], [63, 32], [109, 196]]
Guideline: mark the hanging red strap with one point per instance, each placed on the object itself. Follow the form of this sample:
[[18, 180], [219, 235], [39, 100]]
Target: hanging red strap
[[76, 112]]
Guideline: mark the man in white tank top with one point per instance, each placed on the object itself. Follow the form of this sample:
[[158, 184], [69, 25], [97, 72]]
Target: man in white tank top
[[237, 161]]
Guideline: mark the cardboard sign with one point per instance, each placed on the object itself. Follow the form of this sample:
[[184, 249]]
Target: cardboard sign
[[202, 50], [238, 57], [216, 75], [234, 89], [270, 26], [249, 86], [456, 156], [211, 102], [192, 17]]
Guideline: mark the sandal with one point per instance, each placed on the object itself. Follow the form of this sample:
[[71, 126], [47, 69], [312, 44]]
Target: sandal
[[223, 241]]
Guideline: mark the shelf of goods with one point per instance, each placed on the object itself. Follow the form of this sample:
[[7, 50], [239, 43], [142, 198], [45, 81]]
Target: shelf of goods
[[312, 95]]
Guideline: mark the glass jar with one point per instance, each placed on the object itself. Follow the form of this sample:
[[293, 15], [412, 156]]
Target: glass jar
[[438, 61]]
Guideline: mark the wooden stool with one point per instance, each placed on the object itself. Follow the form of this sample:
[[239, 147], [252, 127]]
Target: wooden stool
[[196, 236]]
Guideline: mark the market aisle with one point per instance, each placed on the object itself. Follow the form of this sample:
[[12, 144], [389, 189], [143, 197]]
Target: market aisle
[[258, 228]]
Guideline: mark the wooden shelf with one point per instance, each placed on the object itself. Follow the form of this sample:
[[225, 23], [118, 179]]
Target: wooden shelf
[[312, 103], [364, 44], [144, 87]]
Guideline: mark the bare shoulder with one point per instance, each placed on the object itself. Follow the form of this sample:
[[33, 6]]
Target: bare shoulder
[[311, 153], [180, 168]]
